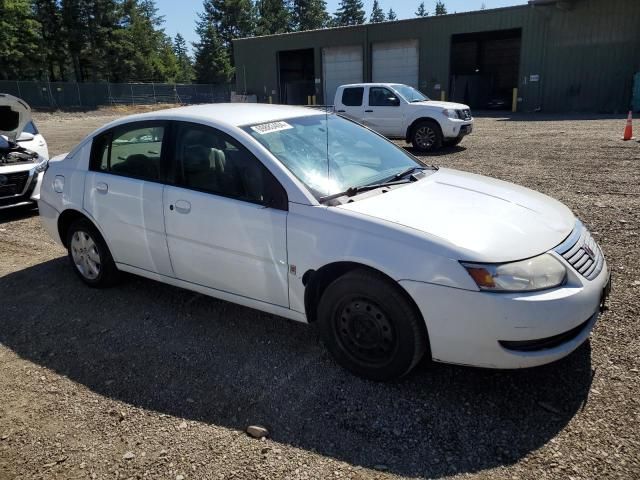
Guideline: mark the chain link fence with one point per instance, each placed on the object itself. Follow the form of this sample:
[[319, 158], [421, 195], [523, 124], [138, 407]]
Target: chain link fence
[[61, 95]]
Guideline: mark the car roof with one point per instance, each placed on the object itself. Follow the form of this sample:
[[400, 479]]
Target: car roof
[[229, 114]]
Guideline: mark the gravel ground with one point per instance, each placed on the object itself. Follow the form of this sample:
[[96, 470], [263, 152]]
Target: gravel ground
[[150, 381]]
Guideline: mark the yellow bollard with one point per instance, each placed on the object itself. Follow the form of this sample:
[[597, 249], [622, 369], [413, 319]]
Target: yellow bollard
[[514, 101], [308, 99], [270, 99], [313, 99], [443, 95]]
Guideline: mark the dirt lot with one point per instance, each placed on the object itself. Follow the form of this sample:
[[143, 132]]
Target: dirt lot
[[150, 381]]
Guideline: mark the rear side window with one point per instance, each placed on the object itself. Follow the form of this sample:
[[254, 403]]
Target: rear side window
[[352, 97], [132, 150]]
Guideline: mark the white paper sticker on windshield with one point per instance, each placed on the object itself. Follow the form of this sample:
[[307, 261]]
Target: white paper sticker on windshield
[[265, 128]]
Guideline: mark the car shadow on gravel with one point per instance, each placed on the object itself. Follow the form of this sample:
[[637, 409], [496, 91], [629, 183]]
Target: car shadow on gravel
[[18, 213], [179, 353], [438, 153]]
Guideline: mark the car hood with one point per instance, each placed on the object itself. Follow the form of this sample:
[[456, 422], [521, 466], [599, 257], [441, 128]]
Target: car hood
[[438, 104], [482, 219], [14, 116]]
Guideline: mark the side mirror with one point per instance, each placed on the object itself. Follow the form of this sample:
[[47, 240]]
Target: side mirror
[[25, 137], [394, 101]]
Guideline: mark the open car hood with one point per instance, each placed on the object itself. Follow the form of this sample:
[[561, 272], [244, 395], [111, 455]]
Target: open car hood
[[14, 116]]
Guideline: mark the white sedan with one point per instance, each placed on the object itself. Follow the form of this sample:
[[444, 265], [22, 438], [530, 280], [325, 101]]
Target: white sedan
[[315, 218]]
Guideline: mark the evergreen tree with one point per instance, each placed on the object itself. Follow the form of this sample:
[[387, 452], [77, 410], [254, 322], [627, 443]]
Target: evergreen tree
[[185, 67], [350, 12], [20, 53], [309, 14], [377, 15], [53, 46], [391, 16], [230, 19], [274, 16], [422, 11], [212, 63], [440, 8]]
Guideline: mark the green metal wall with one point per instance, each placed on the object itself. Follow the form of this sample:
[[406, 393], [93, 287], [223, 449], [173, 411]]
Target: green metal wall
[[583, 52]]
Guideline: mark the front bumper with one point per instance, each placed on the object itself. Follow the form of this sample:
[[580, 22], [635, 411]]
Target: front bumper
[[472, 328], [25, 196], [452, 128]]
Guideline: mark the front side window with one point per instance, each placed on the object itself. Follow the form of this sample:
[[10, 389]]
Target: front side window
[[330, 154], [211, 161], [382, 97], [352, 97], [130, 150]]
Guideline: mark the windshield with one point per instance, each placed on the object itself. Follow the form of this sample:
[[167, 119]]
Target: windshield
[[410, 94], [356, 156]]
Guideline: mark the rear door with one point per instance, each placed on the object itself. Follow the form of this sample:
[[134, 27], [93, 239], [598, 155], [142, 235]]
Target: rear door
[[123, 193], [226, 217], [383, 112], [350, 103]]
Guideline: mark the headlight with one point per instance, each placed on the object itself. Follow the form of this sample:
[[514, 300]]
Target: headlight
[[42, 166], [448, 112], [537, 273]]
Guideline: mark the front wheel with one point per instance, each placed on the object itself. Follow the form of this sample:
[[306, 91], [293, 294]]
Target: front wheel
[[370, 327], [427, 136], [90, 256]]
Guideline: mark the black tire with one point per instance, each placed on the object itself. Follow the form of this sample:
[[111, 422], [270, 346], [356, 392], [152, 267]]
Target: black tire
[[426, 136], [106, 273], [370, 327], [452, 142]]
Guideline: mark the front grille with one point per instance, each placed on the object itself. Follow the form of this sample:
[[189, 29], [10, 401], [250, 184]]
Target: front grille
[[582, 252], [464, 114], [14, 183]]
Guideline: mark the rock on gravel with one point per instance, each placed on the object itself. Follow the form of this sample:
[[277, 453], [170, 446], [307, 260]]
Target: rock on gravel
[[257, 431]]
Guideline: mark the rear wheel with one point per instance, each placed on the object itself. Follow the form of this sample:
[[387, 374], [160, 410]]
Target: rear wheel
[[427, 136], [90, 256], [370, 327]]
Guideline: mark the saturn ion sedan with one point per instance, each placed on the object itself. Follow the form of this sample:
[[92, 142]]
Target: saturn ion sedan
[[310, 216]]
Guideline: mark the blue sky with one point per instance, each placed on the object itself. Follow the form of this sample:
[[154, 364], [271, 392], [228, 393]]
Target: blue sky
[[180, 15]]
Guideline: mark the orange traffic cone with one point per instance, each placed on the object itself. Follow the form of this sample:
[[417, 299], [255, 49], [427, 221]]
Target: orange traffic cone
[[628, 130]]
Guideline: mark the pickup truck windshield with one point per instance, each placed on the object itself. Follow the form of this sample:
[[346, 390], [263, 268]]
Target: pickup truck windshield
[[410, 94], [330, 154]]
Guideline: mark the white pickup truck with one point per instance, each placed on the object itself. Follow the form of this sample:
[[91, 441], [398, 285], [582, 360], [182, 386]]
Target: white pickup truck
[[401, 111]]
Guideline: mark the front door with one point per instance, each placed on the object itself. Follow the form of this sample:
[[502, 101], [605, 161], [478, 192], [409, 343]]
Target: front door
[[224, 229], [383, 112], [123, 193]]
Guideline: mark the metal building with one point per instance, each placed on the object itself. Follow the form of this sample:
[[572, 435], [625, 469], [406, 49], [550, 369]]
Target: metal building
[[561, 55]]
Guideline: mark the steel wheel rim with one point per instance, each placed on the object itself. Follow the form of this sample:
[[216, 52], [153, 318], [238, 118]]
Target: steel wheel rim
[[365, 332], [85, 254], [425, 137]]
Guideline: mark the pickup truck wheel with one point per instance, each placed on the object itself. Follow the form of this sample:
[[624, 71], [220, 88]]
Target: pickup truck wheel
[[427, 136], [369, 326], [90, 256]]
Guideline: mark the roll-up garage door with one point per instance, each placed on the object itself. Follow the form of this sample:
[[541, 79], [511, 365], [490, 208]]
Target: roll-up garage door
[[395, 62], [340, 66]]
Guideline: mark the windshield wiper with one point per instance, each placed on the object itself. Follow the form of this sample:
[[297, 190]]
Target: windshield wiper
[[351, 191], [408, 171]]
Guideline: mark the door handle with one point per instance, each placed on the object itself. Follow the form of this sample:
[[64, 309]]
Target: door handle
[[341, 111], [182, 206], [102, 187], [368, 111]]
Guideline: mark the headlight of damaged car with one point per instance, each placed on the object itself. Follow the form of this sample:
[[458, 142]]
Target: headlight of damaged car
[[42, 166], [537, 273], [448, 112]]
